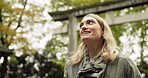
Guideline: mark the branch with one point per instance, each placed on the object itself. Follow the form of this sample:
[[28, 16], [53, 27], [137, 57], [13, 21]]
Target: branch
[[20, 18], [1, 16]]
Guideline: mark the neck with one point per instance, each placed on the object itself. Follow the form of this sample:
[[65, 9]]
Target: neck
[[94, 49]]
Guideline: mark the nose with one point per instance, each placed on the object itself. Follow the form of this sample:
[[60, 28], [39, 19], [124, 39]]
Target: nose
[[84, 27]]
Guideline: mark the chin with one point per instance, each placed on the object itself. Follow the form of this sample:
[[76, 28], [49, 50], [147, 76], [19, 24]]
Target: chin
[[86, 39]]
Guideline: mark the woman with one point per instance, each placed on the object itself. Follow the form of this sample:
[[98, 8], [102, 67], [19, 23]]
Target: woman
[[98, 55]]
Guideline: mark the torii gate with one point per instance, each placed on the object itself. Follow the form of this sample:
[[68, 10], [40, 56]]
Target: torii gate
[[4, 52], [72, 15]]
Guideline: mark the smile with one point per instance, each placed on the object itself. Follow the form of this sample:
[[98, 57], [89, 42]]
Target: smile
[[85, 32]]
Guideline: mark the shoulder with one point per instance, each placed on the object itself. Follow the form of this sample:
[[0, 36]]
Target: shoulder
[[130, 67], [70, 71], [126, 61], [123, 60], [124, 57], [125, 67], [68, 63]]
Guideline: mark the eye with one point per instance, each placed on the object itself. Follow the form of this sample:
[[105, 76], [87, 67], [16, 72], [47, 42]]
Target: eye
[[89, 22], [81, 25]]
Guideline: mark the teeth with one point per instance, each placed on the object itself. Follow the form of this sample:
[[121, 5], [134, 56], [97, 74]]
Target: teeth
[[86, 32]]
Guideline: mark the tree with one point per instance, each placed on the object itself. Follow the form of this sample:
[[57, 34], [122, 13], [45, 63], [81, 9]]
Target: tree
[[11, 21], [38, 65], [62, 5], [19, 19], [58, 45], [43, 65]]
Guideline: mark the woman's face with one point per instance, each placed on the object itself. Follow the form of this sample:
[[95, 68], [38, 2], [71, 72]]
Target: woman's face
[[90, 29]]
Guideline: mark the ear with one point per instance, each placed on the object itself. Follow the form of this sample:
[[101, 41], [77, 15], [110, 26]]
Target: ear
[[102, 33]]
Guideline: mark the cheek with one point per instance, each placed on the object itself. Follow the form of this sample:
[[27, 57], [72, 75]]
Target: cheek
[[80, 32], [98, 31], [99, 34]]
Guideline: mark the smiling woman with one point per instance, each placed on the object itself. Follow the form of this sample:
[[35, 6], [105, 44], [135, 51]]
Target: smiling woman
[[90, 29], [98, 55]]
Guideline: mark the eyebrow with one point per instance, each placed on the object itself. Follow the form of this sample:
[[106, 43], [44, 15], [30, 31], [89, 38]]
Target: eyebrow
[[88, 20]]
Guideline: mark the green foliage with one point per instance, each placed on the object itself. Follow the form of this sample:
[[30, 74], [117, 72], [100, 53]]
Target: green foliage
[[37, 65], [15, 23], [10, 18], [62, 5], [131, 10], [58, 44], [17, 19], [117, 34]]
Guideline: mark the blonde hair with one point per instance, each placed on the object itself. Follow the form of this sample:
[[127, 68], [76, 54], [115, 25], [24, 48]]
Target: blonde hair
[[109, 51]]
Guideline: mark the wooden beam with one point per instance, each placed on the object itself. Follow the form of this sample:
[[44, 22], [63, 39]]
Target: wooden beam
[[131, 18], [72, 33], [58, 16], [112, 20]]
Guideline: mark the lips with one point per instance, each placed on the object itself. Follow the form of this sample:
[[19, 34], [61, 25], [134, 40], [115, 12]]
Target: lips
[[85, 32]]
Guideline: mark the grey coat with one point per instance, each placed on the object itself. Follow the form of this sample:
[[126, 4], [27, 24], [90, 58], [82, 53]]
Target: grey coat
[[122, 67]]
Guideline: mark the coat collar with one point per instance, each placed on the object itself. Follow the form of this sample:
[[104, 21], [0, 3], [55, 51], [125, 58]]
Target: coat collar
[[87, 66]]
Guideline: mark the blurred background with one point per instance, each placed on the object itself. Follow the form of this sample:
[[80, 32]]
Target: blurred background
[[36, 36]]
